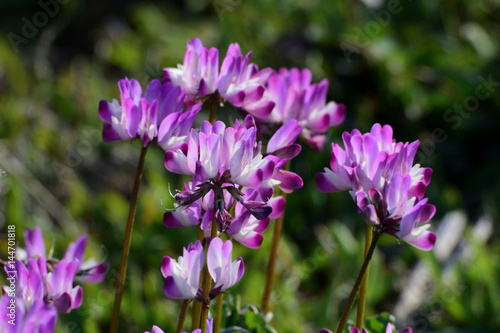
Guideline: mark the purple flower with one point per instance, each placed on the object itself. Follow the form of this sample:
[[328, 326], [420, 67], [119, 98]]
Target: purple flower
[[26, 318], [223, 270], [155, 115], [219, 159], [156, 329], [245, 228], [182, 276], [239, 82], [294, 97], [199, 73], [387, 188], [220, 153], [35, 246], [58, 287], [25, 309], [89, 271]]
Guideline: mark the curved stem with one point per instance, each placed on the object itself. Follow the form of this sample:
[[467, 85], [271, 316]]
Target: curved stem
[[122, 271], [182, 316], [357, 284], [278, 227], [364, 283]]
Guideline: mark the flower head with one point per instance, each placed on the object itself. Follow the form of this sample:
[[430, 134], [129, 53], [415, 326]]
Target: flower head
[[221, 159], [89, 271], [294, 97], [182, 276], [155, 115], [387, 188], [223, 270], [239, 81]]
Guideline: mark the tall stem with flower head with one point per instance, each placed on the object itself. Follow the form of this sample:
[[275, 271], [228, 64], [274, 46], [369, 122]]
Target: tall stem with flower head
[[197, 306], [122, 271], [357, 284]]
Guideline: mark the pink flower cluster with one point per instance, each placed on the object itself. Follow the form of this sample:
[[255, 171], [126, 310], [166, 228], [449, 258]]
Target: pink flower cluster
[[44, 285], [228, 168], [387, 188], [235, 169], [271, 97], [155, 115]]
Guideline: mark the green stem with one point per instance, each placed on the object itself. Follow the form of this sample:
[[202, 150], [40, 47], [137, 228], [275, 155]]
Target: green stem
[[364, 283], [207, 282], [212, 109], [218, 315], [196, 311], [182, 316], [357, 284], [278, 227], [122, 271]]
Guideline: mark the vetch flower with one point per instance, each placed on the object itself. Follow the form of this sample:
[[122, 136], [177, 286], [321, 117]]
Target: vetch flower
[[182, 276], [58, 287], [23, 318], [239, 82], [221, 159], [385, 185], [89, 271], [155, 115], [245, 228], [223, 270], [294, 97]]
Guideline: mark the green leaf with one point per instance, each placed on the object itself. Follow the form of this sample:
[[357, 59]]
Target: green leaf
[[378, 323]]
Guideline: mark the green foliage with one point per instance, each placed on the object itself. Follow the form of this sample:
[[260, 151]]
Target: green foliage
[[247, 319]]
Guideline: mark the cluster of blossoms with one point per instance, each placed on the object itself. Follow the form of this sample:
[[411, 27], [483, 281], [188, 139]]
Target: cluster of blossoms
[[228, 168], [272, 97], [44, 285], [155, 115], [385, 185], [235, 169]]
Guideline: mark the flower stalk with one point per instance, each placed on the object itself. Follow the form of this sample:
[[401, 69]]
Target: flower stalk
[[122, 271], [278, 228], [182, 316], [218, 315], [357, 284], [207, 282], [364, 283]]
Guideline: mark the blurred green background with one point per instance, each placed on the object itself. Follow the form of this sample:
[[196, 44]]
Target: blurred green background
[[419, 66]]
